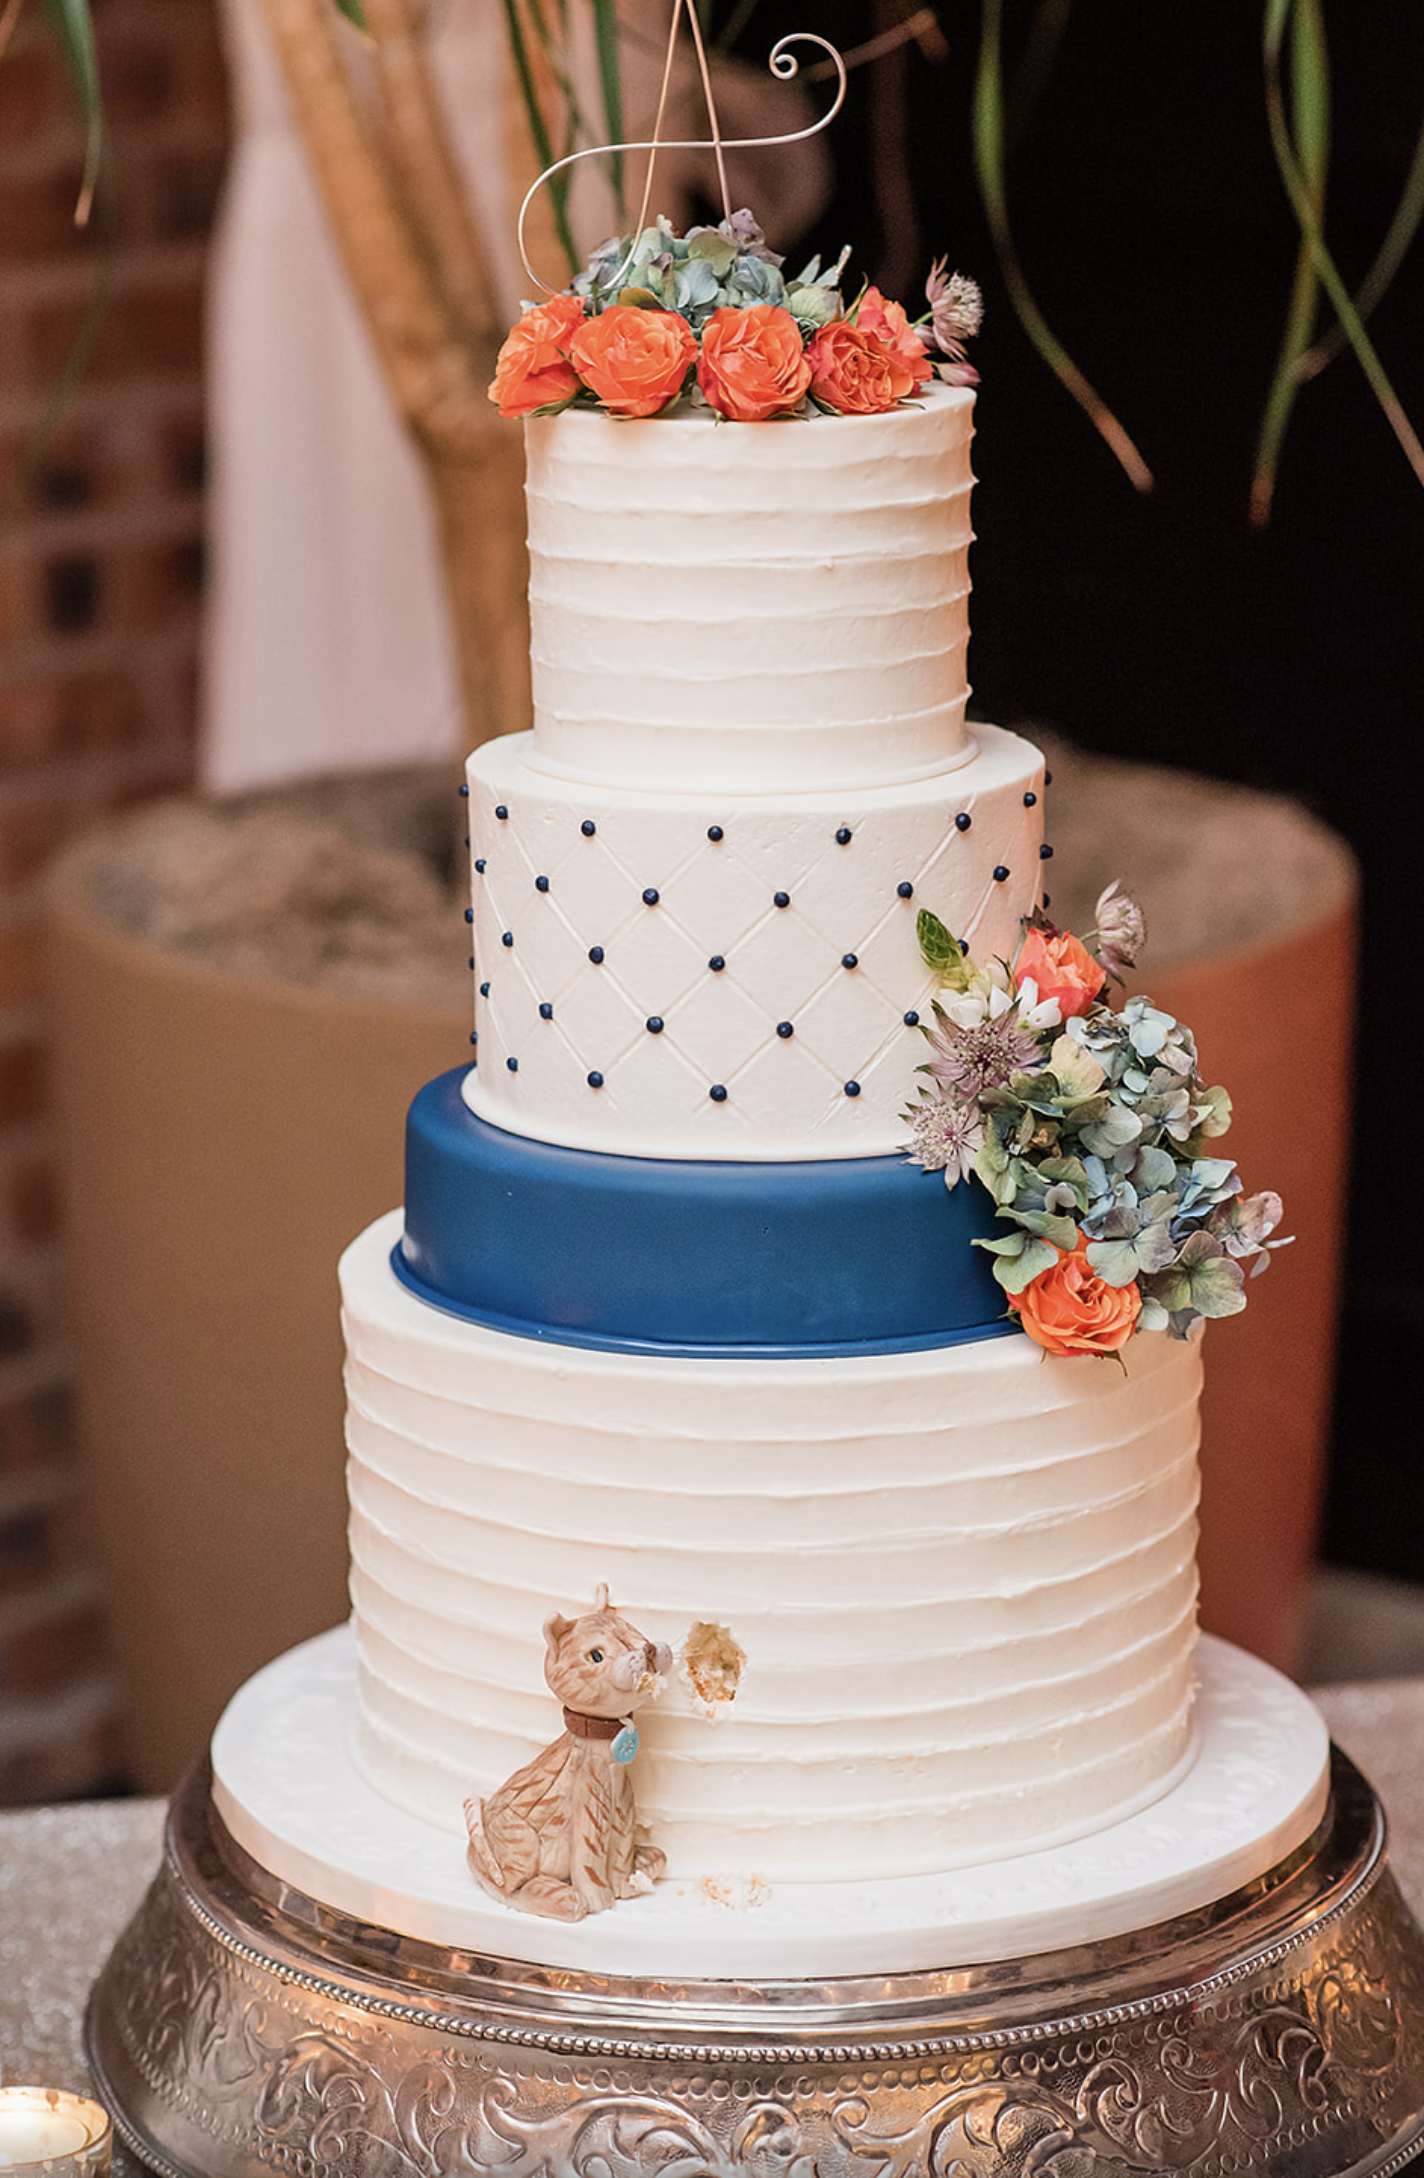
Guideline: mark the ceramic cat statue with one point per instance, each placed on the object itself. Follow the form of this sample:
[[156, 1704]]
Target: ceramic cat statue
[[560, 1837]]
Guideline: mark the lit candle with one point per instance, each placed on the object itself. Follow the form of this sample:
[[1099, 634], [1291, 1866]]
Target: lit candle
[[44, 2130]]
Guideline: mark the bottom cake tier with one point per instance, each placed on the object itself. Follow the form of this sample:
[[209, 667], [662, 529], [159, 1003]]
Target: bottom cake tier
[[960, 1581], [289, 1790]]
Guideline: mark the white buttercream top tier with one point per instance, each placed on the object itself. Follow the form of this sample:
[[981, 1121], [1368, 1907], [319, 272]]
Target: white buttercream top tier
[[799, 620]]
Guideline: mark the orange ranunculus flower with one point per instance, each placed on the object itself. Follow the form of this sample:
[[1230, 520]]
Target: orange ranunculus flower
[[1070, 1310], [532, 369], [1062, 968], [753, 365], [889, 322], [636, 361], [857, 372]]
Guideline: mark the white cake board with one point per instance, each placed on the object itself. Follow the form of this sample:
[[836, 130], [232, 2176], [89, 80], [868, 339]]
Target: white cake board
[[287, 1786]]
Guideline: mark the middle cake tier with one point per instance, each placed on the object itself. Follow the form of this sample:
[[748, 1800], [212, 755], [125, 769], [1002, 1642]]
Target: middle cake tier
[[960, 1580], [729, 976]]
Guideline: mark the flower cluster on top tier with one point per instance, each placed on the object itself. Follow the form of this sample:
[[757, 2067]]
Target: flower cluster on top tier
[[1089, 1128], [711, 312]]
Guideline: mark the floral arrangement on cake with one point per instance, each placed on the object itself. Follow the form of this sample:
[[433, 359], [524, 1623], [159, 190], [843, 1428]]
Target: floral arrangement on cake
[[1091, 1130], [711, 313]]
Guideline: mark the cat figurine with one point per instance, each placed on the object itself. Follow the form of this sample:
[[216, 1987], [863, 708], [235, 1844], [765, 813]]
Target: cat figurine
[[559, 1837]]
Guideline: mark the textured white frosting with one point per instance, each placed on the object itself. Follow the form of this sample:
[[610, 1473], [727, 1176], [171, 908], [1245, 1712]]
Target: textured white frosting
[[963, 1579], [547, 892], [752, 605]]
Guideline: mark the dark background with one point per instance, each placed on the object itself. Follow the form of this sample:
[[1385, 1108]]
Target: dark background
[[1155, 233]]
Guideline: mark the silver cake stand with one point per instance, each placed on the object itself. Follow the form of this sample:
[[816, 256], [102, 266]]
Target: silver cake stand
[[240, 2028]]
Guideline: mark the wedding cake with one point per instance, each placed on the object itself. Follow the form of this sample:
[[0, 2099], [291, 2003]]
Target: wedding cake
[[670, 1311]]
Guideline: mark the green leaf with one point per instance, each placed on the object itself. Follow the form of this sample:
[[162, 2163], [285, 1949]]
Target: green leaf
[[538, 131], [988, 136], [1046, 1225], [355, 15], [1310, 86], [610, 83], [76, 34], [941, 951], [1296, 178], [1016, 1272]]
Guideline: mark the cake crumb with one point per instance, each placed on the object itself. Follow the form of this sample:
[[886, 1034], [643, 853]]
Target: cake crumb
[[712, 1663], [737, 1893]]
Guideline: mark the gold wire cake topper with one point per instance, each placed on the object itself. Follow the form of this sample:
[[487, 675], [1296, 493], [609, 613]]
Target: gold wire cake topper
[[782, 63]]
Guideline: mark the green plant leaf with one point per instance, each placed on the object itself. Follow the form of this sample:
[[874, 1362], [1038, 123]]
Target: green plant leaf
[[1310, 130], [539, 132], [940, 949], [76, 33], [610, 83], [1401, 232], [988, 128], [1278, 14], [355, 15]]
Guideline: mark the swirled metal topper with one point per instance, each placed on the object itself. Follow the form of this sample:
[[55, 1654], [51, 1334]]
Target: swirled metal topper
[[560, 1837], [783, 64], [655, 315]]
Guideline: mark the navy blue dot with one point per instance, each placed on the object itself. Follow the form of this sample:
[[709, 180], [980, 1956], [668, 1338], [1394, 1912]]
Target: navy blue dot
[[508, 938], [850, 960], [650, 896], [595, 954], [588, 828], [474, 1038], [784, 1029], [546, 1011], [714, 832], [716, 964], [964, 947], [480, 867], [843, 835], [1030, 801], [484, 990], [852, 1088], [782, 899], [595, 1081], [906, 890], [501, 812], [1046, 901], [912, 1019], [513, 1065], [654, 1024], [541, 884], [1048, 778], [717, 1093], [1045, 853], [464, 793], [467, 839], [963, 821], [469, 915], [1000, 873], [471, 961]]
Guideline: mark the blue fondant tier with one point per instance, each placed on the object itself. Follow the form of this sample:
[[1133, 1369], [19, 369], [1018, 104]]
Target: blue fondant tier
[[864, 1254]]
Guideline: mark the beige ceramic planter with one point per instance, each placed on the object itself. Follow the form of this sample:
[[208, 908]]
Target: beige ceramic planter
[[223, 1139]]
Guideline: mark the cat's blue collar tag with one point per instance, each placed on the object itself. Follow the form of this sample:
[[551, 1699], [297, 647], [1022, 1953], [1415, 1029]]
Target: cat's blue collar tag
[[625, 1746]]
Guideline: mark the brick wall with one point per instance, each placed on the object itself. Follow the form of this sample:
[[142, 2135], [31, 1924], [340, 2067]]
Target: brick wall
[[101, 551]]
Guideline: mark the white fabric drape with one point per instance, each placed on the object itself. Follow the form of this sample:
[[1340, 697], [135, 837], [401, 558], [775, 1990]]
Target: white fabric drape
[[326, 645]]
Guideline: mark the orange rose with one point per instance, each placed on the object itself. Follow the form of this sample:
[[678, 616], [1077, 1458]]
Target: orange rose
[[636, 361], [532, 369], [1062, 968], [856, 372], [753, 365], [1068, 1309], [889, 323]]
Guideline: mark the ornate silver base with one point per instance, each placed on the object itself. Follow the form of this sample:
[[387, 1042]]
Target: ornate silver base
[[240, 2028]]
